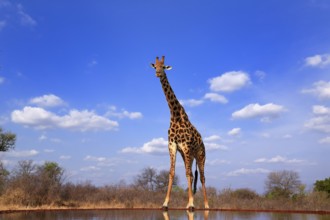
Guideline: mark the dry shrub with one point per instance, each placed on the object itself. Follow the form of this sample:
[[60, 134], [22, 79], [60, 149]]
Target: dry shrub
[[15, 197], [317, 201], [33, 186]]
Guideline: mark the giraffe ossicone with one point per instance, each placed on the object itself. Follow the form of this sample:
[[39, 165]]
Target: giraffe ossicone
[[183, 137]]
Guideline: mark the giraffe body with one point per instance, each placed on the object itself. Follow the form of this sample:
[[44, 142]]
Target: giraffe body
[[183, 137]]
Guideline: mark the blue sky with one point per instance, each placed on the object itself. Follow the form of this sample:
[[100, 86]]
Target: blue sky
[[77, 88]]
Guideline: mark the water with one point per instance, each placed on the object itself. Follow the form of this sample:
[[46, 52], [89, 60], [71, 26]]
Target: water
[[157, 215]]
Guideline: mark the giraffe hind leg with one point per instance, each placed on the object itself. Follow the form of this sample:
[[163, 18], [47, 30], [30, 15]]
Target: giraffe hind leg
[[201, 165]]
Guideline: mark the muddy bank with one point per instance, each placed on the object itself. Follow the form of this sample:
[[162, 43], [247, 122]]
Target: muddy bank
[[319, 212]]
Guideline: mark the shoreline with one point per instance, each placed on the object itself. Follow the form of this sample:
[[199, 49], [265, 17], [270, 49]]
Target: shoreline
[[18, 210]]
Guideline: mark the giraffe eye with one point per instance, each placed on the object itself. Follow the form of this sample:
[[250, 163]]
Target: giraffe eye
[[164, 67]]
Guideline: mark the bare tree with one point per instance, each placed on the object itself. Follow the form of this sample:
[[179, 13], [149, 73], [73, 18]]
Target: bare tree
[[22, 183], [24, 168], [150, 180], [283, 184], [162, 180], [3, 177], [147, 179]]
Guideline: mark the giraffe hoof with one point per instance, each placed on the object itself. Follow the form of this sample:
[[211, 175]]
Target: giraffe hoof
[[165, 208], [191, 208]]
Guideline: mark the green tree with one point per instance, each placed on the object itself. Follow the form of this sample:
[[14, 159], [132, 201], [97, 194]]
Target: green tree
[[283, 184], [7, 140], [322, 185], [50, 179], [52, 172], [245, 193]]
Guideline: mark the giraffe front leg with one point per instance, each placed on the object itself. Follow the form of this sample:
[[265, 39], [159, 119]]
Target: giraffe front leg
[[190, 204], [206, 203], [172, 150], [188, 165]]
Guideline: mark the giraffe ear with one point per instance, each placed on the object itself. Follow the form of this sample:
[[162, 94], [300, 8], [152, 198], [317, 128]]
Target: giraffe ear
[[153, 65], [168, 67]]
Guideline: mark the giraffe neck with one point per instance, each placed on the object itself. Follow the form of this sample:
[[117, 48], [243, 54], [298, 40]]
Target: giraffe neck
[[177, 111]]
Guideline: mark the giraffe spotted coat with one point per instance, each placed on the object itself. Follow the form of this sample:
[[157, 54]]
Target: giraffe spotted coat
[[182, 137]]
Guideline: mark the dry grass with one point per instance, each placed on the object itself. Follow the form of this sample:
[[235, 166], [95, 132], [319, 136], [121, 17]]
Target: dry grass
[[130, 198]]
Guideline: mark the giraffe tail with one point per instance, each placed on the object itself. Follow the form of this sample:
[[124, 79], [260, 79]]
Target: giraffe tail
[[195, 180]]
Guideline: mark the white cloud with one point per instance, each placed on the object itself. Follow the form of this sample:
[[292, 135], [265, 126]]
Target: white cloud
[[160, 146], [49, 100], [216, 162], [97, 159], [192, 102], [155, 146], [4, 3], [65, 157], [55, 140], [107, 162], [321, 120], [325, 140], [321, 89], [214, 146], [234, 132], [123, 113], [319, 60], [265, 135], [321, 110], [287, 136], [277, 159], [212, 138], [76, 120], [211, 143], [265, 112], [130, 115], [90, 168], [260, 74], [244, 171], [42, 137], [229, 81], [320, 123], [2, 79], [16, 12], [26, 153], [25, 18], [214, 97], [92, 63]]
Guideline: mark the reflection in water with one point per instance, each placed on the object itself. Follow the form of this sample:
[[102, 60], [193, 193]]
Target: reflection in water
[[157, 215], [190, 215]]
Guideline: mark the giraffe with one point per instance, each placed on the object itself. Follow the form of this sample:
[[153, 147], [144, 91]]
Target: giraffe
[[182, 137]]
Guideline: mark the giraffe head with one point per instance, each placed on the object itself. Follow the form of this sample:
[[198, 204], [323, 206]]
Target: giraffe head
[[160, 67]]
